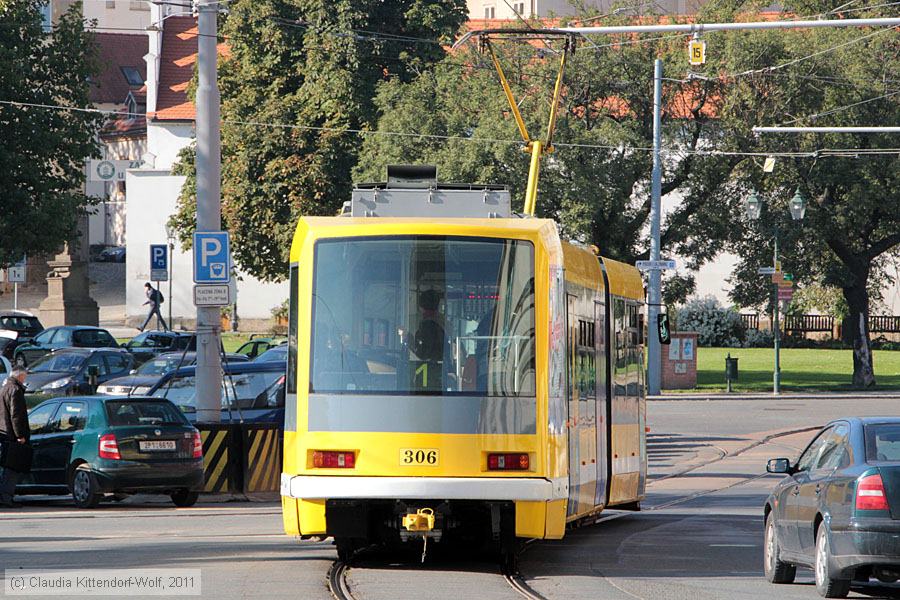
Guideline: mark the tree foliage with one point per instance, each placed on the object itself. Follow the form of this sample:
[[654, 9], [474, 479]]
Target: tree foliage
[[308, 68], [42, 151]]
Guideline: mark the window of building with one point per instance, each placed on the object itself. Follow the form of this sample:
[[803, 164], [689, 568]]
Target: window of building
[[110, 3], [132, 76], [519, 7], [139, 5], [489, 12], [46, 17]]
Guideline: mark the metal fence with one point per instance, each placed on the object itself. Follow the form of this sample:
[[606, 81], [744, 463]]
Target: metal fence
[[808, 323]]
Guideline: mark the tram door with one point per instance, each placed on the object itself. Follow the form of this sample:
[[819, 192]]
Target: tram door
[[602, 402], [572, 403]]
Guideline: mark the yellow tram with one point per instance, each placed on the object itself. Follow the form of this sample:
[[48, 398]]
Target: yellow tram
[[456, 370]]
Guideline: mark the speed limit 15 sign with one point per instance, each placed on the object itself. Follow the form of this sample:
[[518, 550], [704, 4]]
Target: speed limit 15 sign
[[697, 52]]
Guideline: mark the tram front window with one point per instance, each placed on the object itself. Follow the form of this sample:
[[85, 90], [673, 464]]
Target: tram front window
[[423, 315]]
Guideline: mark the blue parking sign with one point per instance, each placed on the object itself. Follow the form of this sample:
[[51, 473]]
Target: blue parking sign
[[159, 262], [212, 257]]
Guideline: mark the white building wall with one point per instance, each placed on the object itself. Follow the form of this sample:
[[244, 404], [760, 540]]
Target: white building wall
[[152, 198], [165, 140]]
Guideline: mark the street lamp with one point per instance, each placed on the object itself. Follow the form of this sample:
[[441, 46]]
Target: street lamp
[[753, 206], [170, 236]]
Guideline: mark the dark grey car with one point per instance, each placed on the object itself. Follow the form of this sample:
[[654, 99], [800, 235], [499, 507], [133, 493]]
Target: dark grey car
[[838, 509]]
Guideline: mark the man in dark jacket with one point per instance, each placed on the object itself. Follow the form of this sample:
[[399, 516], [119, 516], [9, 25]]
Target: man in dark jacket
[[154, 299], [13, 428]]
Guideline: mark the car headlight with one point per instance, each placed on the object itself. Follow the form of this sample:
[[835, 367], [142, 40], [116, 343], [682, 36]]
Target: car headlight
[[140, 390], [55, 385]]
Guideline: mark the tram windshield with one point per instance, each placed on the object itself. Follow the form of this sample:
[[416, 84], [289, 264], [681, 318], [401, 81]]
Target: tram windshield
[[424, 315]]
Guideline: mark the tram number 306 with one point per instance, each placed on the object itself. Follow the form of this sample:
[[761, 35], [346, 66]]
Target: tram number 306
[[419, 456]]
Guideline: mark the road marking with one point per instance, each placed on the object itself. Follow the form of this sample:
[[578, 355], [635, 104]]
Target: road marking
[[732, 545]]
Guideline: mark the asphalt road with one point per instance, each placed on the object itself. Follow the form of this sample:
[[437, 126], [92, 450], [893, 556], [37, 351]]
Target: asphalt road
[[699, 537]]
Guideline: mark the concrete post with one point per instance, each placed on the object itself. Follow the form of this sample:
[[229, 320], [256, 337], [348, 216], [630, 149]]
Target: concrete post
[[654, 370], [209, 368]]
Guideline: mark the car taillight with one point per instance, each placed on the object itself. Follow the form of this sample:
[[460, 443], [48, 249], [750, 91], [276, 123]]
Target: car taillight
[[198, 445], [330, 459], [109, 447], [870, 493], [508, 462]]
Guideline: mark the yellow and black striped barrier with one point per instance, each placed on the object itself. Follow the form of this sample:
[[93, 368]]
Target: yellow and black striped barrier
[[262, 458], [241, 457]]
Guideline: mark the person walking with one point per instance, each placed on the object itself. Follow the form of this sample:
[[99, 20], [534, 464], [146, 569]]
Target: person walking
[[13, 429], [154, 299]]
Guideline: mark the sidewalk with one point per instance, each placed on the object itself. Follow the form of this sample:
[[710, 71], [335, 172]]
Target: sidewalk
[[706, 396]]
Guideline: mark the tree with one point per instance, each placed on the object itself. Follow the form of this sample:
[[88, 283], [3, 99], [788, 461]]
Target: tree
[[853, 221], [42, 151], [309, 68]]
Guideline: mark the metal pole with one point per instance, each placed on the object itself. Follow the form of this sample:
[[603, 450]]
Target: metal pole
[[171, 269], [654, 368], [15, 295], [826, 130], [701, 27], [694, 27], [776, 377], [209, 370]]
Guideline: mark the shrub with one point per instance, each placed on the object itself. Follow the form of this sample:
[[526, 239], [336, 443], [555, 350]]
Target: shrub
[[715, 324], [758, 338]]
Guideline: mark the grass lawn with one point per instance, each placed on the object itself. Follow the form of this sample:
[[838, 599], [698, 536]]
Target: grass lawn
[[802, 369]]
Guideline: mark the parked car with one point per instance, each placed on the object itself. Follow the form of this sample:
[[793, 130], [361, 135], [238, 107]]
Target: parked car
[[257, 345], [838, 509], [17, 327], [251, 392], [67, 371], [64, 336], [98, 446], [5, 369], [153, 343], [116, 254], [277, 354], [140, 381]]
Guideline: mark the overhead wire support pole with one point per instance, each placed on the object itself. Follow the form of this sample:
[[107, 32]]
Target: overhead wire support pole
[[209, 209], [654, 360]]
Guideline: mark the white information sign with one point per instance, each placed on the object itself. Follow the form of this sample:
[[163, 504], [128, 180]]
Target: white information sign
[[765, 271], [655, 265], [212, 295]]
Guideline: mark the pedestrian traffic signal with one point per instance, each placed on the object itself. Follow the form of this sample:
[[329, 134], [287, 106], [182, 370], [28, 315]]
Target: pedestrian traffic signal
[[662, 326]]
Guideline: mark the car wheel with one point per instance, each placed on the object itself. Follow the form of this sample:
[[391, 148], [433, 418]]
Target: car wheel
[[826, 585], [777, 571], [184, 498], [85, 490]]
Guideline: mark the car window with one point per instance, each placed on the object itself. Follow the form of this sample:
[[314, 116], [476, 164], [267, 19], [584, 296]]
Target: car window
[[239, 391], [144, 413], [39, 417], [835, 448], [94, 338], [96, 360], [71, 416], [116, 363], [811, 454], [62, 338], [139, 341], [65, 362], [45, 336], [883, 442]]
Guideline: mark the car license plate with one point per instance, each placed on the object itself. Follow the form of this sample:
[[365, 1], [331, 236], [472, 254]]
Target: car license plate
[[157, 445], [427, 457]]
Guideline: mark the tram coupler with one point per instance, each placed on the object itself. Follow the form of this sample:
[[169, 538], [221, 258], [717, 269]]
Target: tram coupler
[[421, 520]]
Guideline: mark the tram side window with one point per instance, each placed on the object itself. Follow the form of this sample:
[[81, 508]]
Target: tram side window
[[620, 374], [633, 352], [291, 379], [586, 375]]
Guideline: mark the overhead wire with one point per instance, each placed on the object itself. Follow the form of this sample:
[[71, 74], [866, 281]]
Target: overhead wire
[[822, 152], [840, 108]]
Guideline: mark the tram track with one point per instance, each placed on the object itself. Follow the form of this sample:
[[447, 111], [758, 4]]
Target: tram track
[[340, 589]]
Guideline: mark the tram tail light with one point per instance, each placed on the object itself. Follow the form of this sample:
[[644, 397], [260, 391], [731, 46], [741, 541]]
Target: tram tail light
[[330, 459], [508, 462], [870, 494], [109, 447]]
